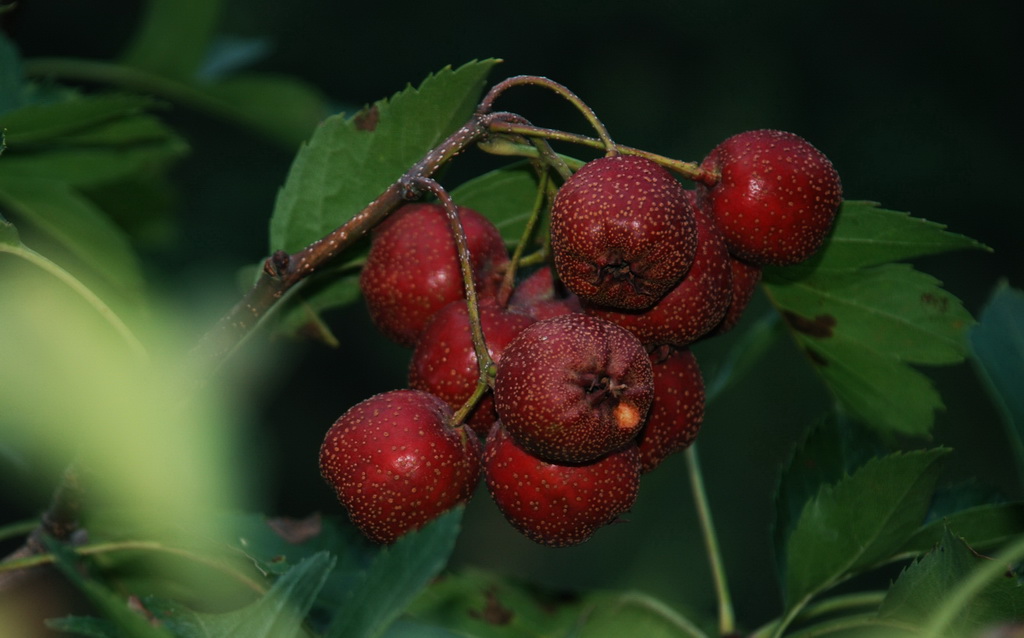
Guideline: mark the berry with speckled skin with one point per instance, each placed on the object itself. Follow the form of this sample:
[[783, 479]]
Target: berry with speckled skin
[[745, 278], [776, 198], [412, 270], [622, 232], [573, 388], [695, 305], [444, 361], [558, 505], [678, 409], [395, 463], [542, 296]]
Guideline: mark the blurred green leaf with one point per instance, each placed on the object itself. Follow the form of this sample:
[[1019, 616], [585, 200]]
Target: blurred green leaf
[[863, 321], [10, 76], [997, 343], [612, 615], [85, 626], [395, 577], [349, 161], [282, 108], [473, 602], [913, 597], [174, 36], [403, 628], [743, 355], [39, 123], [859, 521], [279, 613], [75, 223]]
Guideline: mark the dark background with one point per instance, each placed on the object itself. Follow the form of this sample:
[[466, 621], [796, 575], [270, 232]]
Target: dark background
[[916, 103]]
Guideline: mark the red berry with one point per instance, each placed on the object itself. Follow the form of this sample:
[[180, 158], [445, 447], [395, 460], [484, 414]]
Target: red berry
[[573, 388], [776, 198], [695, 305], [745, 278], [622, 232], [678, 409], [412, 270], [558, 505], [444, 362], [542, 296], [396, 464]]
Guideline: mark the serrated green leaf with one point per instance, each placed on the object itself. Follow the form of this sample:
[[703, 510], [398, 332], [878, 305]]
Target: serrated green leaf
[[349, 161], [829, 451], [38, 123], [75, 223], [394, 579], [866, 235], [997, 343], [174, 36], [859, 521], [916, 594], [863, 321], [279, 613], [983, 526]]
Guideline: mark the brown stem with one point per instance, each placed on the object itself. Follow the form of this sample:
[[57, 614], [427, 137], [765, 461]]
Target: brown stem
[[282, 271]]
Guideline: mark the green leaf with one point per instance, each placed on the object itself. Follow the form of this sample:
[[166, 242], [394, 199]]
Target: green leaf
[[997, 343], [919, 590], [174, 36], [11, 76], [611, 615], [349, 161], [84, 626], [860, 521], [505, 196], [75, 223], [283, 108], [983, 526], [396, 576], [473, 602], [39, 123], [863, 321], [279, 613], [829, 451]]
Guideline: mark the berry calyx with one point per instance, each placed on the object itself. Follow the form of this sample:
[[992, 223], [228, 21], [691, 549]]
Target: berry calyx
[[776, 197], [553, 504], [695, 306], [622, 232], [444, 361], [395, 463], [573, 388], [412, 269]]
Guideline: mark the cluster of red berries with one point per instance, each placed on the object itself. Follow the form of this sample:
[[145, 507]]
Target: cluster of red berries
[[595, 381]]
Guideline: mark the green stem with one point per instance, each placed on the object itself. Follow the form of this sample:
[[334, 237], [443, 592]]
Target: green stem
[[855, 621], [508, 283], [726, 617], [689, 170], [487, 103]]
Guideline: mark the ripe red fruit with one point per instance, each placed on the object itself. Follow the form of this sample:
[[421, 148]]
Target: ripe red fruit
[[444, 362], [695, 305], [678, 409], [745, 278], [622, 232], [412, 270], [558, 505], [396, 464], [573, 388], [777, 196], [541, 296]]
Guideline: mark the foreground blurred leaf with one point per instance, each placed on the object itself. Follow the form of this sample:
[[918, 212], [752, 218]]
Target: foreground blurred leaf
[[859, 521], [862, 320], [381, 592], [997, 343], [174, 36], [279, 613], [349, 161], [914, 596]]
